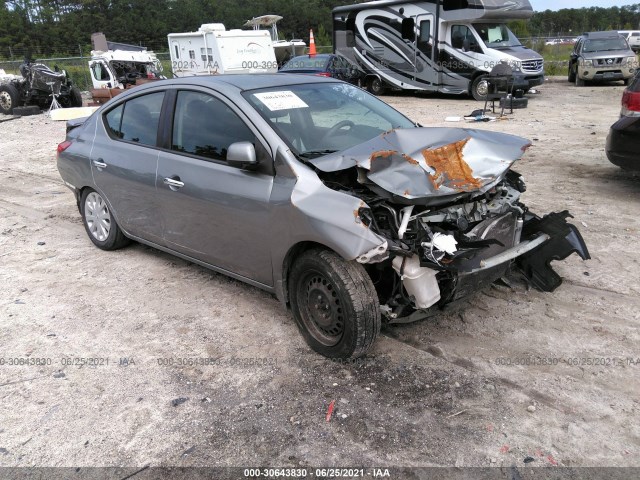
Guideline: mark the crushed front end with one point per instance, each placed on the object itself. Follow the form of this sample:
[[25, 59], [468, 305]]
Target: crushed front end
[[449, 210]]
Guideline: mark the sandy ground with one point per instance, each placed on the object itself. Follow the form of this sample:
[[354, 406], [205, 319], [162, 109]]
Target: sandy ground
[[514, 374]]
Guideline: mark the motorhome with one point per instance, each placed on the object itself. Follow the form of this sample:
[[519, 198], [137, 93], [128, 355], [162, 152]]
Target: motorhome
[[446, 46], [215, 50]]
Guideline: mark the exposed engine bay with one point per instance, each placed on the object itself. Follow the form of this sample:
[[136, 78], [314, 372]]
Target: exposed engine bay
[[448, 230]]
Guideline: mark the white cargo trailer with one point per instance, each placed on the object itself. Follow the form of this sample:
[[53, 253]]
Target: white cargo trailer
[[214, 50]]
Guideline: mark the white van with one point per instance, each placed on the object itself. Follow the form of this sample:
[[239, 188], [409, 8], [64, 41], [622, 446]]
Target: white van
[[632, 37], [450, 49], [214, 50]]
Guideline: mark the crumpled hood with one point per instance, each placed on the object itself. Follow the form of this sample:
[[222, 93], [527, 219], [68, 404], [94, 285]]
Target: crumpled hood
[[431, 162]]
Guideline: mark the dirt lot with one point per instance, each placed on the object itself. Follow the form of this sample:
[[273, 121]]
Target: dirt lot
[[452, 391]]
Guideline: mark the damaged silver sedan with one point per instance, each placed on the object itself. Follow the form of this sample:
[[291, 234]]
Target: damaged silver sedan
[[316, 191]]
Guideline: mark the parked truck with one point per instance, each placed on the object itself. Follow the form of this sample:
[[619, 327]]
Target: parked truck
[[116, 66], [446, 46], [215, 50]]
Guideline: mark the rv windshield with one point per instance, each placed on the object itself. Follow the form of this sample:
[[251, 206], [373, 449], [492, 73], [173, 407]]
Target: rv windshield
[[496, 35], [317, 119]]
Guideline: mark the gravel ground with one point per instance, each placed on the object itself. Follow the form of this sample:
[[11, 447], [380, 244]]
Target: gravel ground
[[512, 374]]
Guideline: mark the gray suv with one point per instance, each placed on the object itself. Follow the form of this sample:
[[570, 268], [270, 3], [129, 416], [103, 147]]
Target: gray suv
[[602, 57]]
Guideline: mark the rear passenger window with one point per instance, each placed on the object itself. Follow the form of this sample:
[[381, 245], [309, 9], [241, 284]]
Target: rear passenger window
[[136, 120], [205, 126]]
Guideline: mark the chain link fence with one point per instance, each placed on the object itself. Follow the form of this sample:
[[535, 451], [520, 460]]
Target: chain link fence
[[78, 67]]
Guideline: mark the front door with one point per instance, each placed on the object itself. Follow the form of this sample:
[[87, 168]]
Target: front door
[[424, 62], [215, 212]]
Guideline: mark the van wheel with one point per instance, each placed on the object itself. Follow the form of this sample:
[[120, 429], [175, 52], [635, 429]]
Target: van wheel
[[480, 88], [334, 303], [376, 86]]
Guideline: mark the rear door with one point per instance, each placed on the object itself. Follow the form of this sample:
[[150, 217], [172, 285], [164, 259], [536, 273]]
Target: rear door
[[215, 212], [124, 159]]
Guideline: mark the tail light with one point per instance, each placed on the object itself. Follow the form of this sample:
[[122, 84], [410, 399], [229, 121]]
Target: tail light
[[630, 104], [323, 74], [63, 146]]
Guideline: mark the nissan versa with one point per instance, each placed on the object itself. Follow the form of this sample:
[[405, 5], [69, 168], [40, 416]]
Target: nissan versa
[[316, 191]]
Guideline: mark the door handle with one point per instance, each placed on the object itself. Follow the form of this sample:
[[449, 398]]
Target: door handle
[[99, 163], [173, 183]]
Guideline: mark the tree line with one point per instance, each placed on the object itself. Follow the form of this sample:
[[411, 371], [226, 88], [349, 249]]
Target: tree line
[[49, 27]]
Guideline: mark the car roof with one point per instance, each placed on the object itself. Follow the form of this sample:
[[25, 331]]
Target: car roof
[[243, 82], [596, 35]]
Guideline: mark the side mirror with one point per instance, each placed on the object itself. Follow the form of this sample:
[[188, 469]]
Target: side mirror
[[241, 154]]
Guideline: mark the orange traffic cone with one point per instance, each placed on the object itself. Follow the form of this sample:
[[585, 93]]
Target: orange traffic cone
[[312, 44]]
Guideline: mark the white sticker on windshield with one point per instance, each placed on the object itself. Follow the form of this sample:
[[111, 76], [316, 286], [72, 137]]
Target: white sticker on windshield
[[283, 100]]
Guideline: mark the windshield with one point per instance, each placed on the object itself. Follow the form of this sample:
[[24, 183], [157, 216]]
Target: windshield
[[316, 119], [605, 44], [496, 35]]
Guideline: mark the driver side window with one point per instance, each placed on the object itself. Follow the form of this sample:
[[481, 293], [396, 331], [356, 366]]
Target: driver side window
[[462, 38], [205, 126]]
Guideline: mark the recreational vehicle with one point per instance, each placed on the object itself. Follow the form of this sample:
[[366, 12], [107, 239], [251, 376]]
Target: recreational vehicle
[[215, 50], [444, 46]]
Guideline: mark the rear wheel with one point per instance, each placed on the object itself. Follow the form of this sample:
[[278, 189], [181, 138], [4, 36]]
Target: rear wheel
[[9, 98], [375, 86], [334, 303], [99, 223], [75, 97]]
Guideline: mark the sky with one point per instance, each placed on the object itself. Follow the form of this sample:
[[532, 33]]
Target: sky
[[541, 5]]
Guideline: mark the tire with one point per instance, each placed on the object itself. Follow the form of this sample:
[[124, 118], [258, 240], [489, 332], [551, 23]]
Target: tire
[[579, 81], [9, 98], [26, 111], [75, 97], [480, 88], [344, 320], [572, 75], [626, 82], [375, 86], [99, 223]]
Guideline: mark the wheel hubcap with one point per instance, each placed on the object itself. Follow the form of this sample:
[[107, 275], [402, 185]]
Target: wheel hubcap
[[5, 100], [483, 88], [97, 216], [325, 310]]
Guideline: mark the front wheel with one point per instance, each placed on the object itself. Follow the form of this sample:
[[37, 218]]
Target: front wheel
[[375, 86], [334, 303], [572, 74], [480, 88], [579, 81], [626, 82], [9, 98], [99, 223]]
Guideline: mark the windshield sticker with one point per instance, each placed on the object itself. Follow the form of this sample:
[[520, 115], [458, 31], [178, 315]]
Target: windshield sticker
[[284, 100]]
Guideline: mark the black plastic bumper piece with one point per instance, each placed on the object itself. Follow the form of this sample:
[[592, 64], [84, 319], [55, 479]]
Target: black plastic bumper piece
[[565, 240]]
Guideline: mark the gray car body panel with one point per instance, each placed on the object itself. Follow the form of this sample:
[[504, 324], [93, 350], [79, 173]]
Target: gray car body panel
[[275, 216], [430, 163]]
